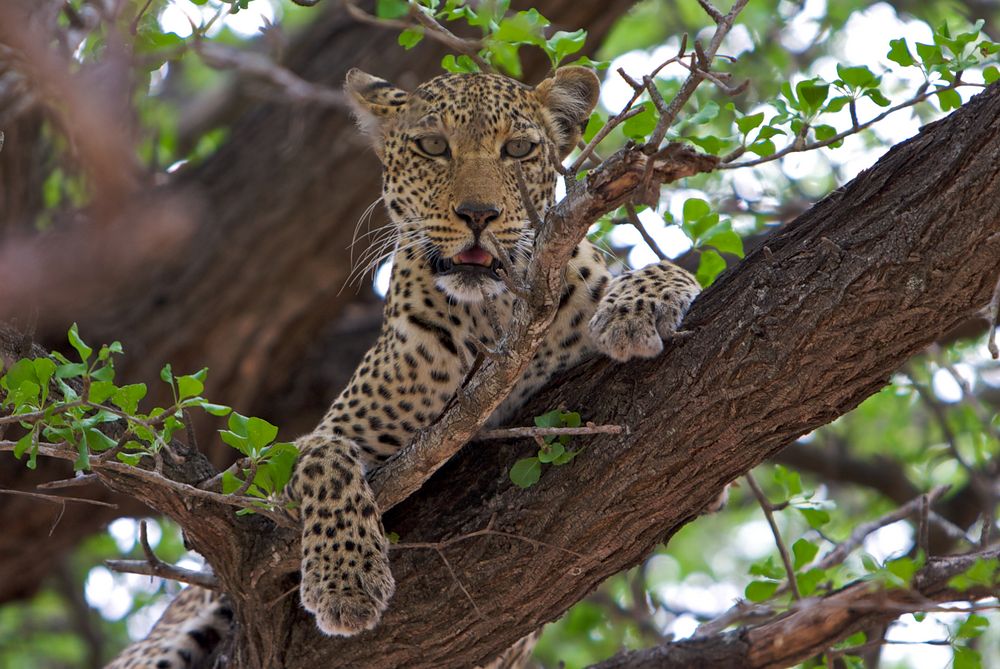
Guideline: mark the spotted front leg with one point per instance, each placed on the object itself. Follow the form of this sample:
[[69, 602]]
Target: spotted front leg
[[641, 308], [346, 580]]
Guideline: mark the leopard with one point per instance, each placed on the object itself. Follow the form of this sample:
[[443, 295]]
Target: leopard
[[469, 161]]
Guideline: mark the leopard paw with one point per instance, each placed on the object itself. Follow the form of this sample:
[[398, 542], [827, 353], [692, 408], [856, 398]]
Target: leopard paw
[[348, 588], [626, 327]]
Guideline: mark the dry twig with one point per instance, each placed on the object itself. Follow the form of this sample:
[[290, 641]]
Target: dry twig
[[153, 566]]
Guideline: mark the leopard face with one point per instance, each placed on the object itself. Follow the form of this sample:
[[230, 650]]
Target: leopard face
[[452, 150]]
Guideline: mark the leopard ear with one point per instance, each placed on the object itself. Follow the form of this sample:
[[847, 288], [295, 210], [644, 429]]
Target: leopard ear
[[569, 97], [374, 101]]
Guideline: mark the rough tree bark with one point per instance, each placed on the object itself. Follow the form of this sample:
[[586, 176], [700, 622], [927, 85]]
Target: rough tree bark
[[799, 333], [255, 292]]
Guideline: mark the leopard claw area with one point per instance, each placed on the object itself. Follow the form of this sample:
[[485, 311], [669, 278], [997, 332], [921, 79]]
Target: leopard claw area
[[347, 602]]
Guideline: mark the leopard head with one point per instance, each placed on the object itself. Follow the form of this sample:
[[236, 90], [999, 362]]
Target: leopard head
[[450, 152]]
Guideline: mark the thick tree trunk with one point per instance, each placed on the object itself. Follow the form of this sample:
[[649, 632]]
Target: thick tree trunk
[[799, 333], [255, 292]]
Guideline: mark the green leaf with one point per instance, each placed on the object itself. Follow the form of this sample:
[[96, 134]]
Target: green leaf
[[982, 573], [100, 391], [215, 409], [594, 125], [929, 54], [260, 432], [949, 99], [570, 419], [507, 57], [695, 208], [875, 95], [856, 77], [789, 480], [24, 443], [44, 369], [127, 397], [74, 339], [97, 440], [410, 37], [812, 93], [240, 443], [707, 112], [189, 386], [748, 123], [899, 53], [710, 265], [804, 552], [106, 373], [230, 483], [563, 44], [966, 658], [391, 9], [991, 74], [642, 123], [461, 65], [726, 241], [550, 419], [762, 147], [565, 457], [767, 568], [551, 452], [523, 28], [903, 568], [526, 472], [836, 104], [809, 581], [972, 627], [130, 458], [238, 423], [71, 370], [758, 591], [816, 518], [167, 374]]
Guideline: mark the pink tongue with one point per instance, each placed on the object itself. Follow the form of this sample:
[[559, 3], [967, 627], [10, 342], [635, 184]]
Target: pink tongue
[[474, 256]]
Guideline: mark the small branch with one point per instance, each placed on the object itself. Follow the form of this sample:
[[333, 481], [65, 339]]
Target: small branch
[[76, 482], [292, 87], [633, 218], [515, 432], [854, 129], [433, 30], [153, 566], [57, 499], [860, 532], [782, 549]]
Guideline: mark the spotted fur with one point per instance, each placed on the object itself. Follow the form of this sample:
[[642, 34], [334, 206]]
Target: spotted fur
[[450, 152]]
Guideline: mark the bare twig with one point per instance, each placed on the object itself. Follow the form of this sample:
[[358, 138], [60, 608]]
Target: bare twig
[[515, 432], [57, 499], [75, 482], [782, 549], [432, 29], [633, 218], [153, 566], [64, 452], [292, 87]]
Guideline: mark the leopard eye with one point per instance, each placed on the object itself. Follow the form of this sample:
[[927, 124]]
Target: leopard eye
[[433, 145], [518, 148]]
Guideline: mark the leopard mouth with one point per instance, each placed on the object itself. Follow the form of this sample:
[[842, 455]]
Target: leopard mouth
[[474, 260]]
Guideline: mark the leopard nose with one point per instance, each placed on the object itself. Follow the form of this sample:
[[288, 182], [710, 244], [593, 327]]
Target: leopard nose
[[477, 216]]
